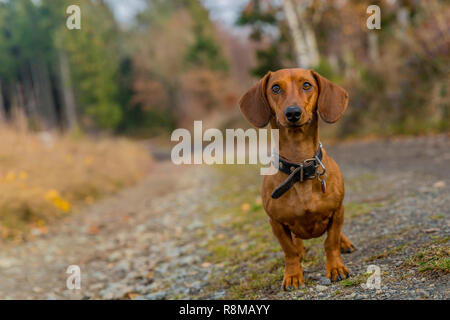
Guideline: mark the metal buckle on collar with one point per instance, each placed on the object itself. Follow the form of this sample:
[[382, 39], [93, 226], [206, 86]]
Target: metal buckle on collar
[[301, 167], [324, 170], [293, 168], [321, 176]]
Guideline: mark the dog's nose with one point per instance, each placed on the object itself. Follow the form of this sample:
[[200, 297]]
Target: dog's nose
[[293, 113]]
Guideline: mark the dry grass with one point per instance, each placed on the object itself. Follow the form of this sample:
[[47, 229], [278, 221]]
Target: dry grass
[[43, 176], [433, 257]]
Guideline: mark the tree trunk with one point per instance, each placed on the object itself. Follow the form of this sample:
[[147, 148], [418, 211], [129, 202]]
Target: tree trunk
[[301, 51], [403, 22], [41, 87], [308, 34], [305, 42], [374, 53], [67, 90], [34, 90], [18, 109], [314, 58], [2, 106], [26, 95]]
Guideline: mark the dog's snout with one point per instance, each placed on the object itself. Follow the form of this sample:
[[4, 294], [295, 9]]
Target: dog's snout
[[293, 113]]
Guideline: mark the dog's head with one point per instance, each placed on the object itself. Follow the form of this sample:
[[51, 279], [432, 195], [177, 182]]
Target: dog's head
[[293, 96]]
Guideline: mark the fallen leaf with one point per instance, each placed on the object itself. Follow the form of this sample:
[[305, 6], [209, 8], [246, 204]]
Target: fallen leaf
[[245, 207], [39, 231], [93, 229], [244, 246], [132, 295], [431, 230], [439, 184]]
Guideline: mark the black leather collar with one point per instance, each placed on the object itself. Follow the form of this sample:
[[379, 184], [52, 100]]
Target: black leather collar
[[298, 172]]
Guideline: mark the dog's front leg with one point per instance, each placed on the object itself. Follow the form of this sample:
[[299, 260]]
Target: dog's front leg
[[336, 270], [293, 273]]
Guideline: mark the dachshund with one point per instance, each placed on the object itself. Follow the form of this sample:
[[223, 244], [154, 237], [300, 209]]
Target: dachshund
[[305, 199]]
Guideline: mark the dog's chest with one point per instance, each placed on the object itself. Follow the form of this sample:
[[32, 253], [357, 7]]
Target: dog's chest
[[304, 209]]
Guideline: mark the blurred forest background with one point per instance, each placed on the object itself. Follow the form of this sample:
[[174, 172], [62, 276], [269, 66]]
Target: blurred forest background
[[173, 63], [68, 97]]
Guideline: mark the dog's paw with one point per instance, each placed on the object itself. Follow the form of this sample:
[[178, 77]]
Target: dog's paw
[[347, 247], [336, 271], [293, 274], [292, 280]]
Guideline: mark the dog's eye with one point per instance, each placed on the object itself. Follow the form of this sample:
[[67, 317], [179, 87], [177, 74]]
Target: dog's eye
[[276, 89], [306, 86]]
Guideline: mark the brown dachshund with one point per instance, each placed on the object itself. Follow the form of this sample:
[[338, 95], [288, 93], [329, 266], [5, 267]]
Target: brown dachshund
[[291, 99]]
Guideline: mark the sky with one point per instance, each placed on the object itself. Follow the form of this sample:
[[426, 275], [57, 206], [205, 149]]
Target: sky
[[126, 10], [224, 11]]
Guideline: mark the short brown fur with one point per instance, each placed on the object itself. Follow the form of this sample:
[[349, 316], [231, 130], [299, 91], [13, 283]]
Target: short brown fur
[[304, 211]]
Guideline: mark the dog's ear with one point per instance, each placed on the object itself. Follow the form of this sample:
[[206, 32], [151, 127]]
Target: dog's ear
[[332, 101], [254, 105]]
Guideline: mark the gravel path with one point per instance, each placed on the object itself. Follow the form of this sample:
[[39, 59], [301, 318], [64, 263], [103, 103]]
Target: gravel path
[[152, 241]]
